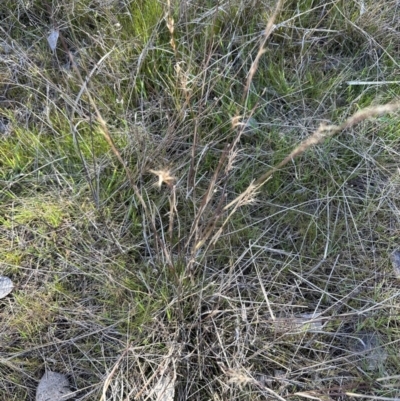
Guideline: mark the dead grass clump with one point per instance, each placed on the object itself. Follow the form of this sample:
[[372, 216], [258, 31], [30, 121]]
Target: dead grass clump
[[200, 200]]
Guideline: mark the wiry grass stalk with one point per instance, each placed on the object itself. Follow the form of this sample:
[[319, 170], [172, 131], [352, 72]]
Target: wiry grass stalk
[[321, 134], [117, 153]]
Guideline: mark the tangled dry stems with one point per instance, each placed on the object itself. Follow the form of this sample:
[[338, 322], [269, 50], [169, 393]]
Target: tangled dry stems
[[230, 290]]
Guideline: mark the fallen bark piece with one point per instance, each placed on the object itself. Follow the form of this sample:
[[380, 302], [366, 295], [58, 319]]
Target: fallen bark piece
[[53, 386], [395, 258], [6, 286]]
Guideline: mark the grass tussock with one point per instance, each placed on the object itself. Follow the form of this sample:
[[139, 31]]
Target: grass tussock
[[199, 200]]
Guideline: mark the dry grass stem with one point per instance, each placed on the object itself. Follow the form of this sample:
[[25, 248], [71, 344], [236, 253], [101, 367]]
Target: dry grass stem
[[267, 33], [326, 131]]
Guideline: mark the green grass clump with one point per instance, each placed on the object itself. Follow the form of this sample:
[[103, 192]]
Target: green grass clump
[[140, 252]]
